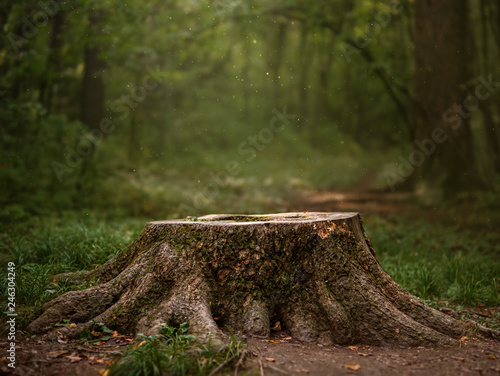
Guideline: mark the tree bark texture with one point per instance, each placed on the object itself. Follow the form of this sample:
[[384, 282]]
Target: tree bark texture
[[441, 50], [316, 273]]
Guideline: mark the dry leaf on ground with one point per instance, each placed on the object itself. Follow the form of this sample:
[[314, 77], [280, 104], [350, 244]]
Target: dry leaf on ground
[[73, 358], [56, 354], [353, 366]]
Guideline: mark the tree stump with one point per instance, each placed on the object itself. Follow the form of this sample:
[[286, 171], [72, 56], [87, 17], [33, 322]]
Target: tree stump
[[315, 273]]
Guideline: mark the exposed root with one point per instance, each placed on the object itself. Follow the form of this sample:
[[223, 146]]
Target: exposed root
[[255, 318]]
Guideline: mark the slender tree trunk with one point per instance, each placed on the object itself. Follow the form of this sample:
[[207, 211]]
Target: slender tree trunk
[[326, 58], [441, 68], [277, 32], [491, 129], [304, 59], [53, 62], [134, 139], [92, 105], [92, 97], [245, 73], [490, 125]]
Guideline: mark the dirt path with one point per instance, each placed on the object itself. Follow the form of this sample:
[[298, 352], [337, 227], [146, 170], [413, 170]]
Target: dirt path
[[279, 355], [473, 358]]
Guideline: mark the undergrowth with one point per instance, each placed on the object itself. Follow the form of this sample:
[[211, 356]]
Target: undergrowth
[[437, 263], [44, 247], [175, 352]]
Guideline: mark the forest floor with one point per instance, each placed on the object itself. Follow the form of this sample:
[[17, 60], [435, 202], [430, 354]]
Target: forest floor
[[281, 354]]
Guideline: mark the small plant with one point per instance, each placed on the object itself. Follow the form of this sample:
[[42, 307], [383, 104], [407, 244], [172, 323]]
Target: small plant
[[176, 353], [65, 322]]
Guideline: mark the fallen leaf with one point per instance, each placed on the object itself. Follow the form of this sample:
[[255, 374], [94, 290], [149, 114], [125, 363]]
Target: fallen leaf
[[109, 362], [287, 339], [115, 334], [277, 327], [489, 356], [62, 340], [103, 372], [56, 354], [302, 370], [100, 360], [353, 366], [270, 359], [464, 338], [271, 341], [352, 347], [364, 354], [139, 345], [396, 330], [73, 358], [129, 340], [458, 358], [72, 325]]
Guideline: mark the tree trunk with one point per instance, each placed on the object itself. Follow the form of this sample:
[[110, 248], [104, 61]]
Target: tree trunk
[[316, 273], [441, 70]]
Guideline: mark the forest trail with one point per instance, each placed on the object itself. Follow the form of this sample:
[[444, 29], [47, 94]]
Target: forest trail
[[364, 202]]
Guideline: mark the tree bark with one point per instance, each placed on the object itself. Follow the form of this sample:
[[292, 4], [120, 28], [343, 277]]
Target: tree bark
[[316, 273], [441, 70]]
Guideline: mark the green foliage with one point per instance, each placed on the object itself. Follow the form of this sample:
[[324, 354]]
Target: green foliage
[[176, 353], [437, 263], [41, 248]]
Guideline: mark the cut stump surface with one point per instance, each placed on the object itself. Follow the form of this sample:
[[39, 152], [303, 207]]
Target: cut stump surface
[[315, 273]]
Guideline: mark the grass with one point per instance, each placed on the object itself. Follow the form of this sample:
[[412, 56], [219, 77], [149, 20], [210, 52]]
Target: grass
[[438, 263], [176, 353], [42, 248]]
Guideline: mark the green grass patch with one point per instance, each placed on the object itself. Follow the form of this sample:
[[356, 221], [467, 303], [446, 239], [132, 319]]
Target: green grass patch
[[438, 263], [176, 353], [44, 247]]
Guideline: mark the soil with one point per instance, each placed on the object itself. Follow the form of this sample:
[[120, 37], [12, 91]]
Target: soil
[[282, 354], [278, 355]]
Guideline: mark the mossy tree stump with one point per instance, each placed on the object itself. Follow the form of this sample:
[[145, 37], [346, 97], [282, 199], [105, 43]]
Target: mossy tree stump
[[316, 273]]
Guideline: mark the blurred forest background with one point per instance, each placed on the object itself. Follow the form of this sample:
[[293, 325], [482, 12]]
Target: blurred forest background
[[172, 108], [113, 113]]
